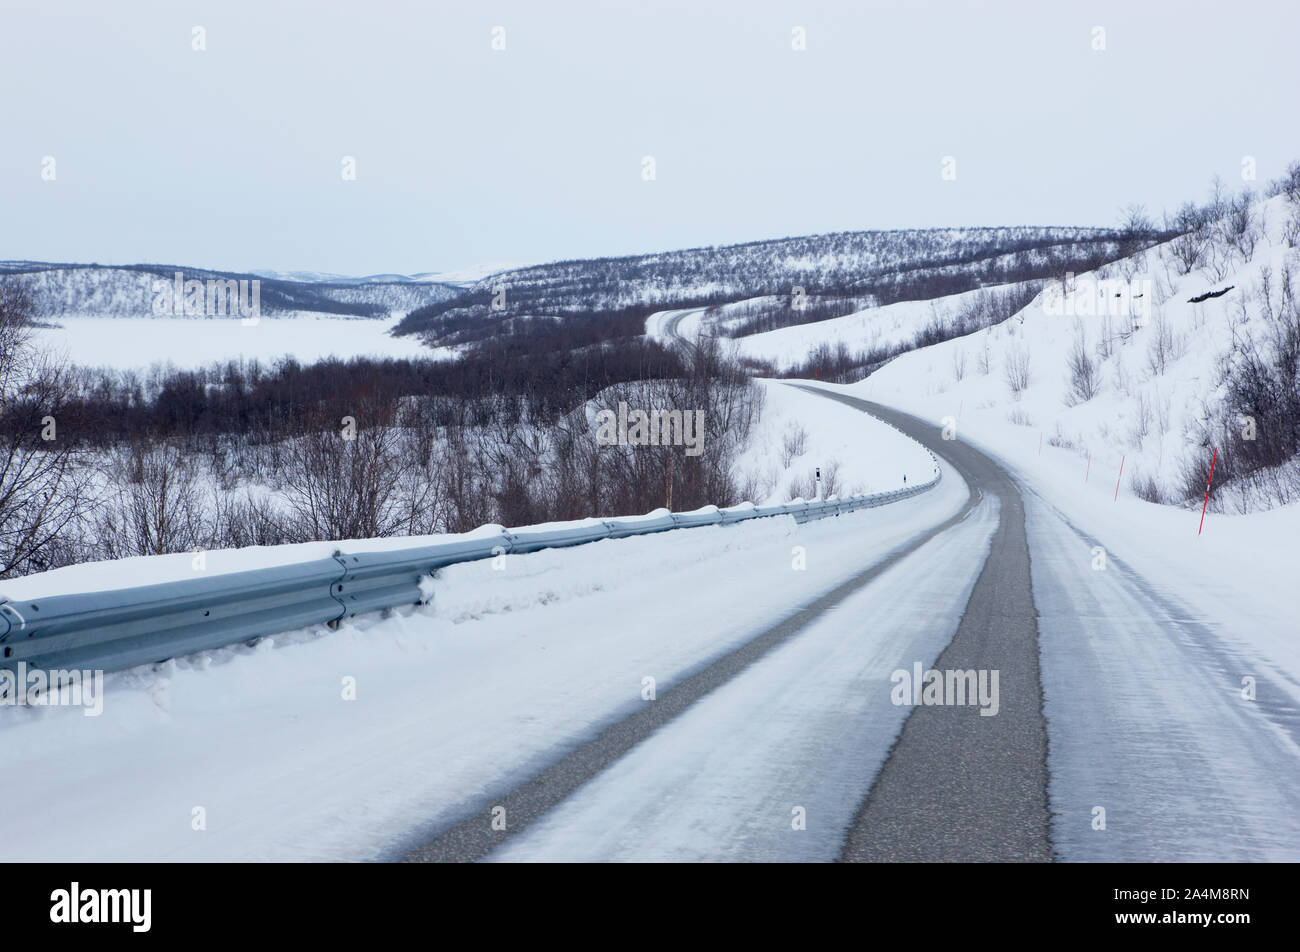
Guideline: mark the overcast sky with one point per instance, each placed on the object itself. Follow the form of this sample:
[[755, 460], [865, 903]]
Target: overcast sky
[[232, 156]]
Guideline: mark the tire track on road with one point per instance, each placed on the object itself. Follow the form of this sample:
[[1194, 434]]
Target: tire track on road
[[958, 786], [474, 837]]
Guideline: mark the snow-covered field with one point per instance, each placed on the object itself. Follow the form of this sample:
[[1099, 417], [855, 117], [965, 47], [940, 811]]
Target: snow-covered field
[[137, 343]]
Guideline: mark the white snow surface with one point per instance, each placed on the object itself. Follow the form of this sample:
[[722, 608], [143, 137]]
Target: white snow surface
[[138, 343]]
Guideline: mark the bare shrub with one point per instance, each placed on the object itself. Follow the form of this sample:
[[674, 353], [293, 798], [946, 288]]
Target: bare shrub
[[1016, 369], [1291, 228], [1084, 376], [1241, 228], [1161, 349], [1288, 184], [1060, 440], [1142, 419], [252, 520], [805, 487], [756, 487], [793, 444], [1105, 339], [1147, 488]]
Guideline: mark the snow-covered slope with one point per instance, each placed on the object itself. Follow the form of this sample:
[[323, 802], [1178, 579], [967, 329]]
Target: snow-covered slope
[[1157, 361], [799, 433], [869, 329]]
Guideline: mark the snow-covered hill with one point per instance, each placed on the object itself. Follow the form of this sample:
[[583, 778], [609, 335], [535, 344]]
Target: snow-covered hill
[[870, 329], [888, 265], [1126, 364]]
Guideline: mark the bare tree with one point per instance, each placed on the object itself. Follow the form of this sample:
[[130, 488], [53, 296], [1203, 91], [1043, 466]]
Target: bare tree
[[44, 492], [1137, 233], [157, 506], [1189, 247], [340, 482]]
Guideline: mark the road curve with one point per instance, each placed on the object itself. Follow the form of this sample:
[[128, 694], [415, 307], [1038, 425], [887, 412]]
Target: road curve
[[956, 785], [959, 785]]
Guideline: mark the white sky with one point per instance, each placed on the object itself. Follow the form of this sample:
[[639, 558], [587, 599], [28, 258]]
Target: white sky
[[231, 157]]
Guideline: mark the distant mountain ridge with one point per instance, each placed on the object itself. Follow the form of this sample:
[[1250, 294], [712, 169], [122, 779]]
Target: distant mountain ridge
[[887, 265], [94, 290], [463, 277]]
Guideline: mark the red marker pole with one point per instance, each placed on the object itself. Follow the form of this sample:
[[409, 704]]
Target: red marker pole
[[1213, 457], [1087, 471], [1119, 477]]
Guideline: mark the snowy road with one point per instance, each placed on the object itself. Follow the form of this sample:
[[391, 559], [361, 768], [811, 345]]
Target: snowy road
[[1154, 753], [800, 734], [798, 717]]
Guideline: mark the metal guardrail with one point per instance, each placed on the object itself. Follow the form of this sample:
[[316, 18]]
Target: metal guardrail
[[122, 628]]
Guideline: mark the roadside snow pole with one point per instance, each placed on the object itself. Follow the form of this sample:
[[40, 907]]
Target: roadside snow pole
[[1088, 471], [1213, 457], [818, 487], [1119, 477], [668, 483]]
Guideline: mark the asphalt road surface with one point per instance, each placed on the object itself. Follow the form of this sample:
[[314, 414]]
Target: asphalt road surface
[[955, 786]]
